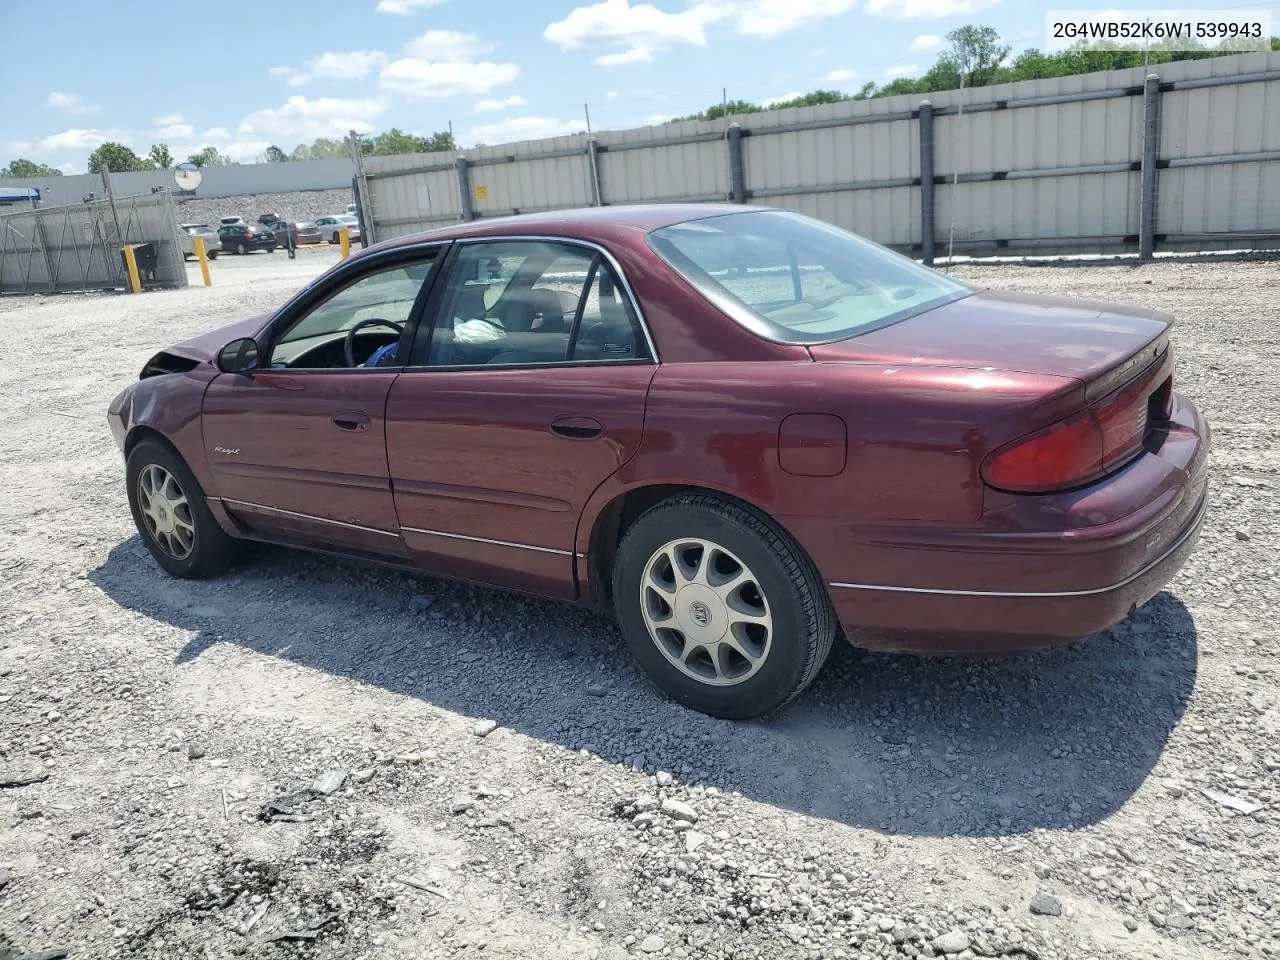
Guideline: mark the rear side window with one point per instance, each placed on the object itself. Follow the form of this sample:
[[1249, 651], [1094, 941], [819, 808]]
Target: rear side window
[[795, 280], [516, 303]]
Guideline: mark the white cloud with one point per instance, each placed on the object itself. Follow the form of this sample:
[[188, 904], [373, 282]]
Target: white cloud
[[926, 9], [611, 95], [300, 119], [489, 106], [768, 18], [404, 7], [926, 43], [657, 119], [450, 46], [175, 131], [71, 103], [840, 76], [167, 119], [71, 168], [640, 29], [522, 128], [420, 79], [78, 140], [634, 55], [774, 101], [894, 72], [439, 63], [348, 65]]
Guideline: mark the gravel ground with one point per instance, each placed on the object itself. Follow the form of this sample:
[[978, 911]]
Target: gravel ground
[[294, 207], [510, 786]]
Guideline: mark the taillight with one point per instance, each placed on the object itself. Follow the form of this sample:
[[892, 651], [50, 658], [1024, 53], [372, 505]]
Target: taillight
[[1067, 454], [1083, 447]]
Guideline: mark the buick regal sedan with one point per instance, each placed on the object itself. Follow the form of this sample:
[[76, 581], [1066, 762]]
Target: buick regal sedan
[[743, 430]]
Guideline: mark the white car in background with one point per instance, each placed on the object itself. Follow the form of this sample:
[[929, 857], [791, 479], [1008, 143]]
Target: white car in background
[[212, 242], [331, 227]]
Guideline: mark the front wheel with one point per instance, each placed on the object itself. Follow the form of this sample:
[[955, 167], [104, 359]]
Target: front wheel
[[212, 255], [722, 609], [172, 517], [241, 249]]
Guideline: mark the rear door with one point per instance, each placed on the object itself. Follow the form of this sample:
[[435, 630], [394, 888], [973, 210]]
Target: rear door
[[525, 395]]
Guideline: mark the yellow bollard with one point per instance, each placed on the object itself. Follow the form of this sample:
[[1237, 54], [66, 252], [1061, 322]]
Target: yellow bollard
[[344, 238], [204, 261], [131, 262]]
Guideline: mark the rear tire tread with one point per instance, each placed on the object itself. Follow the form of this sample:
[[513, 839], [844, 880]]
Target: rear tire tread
[[815, 605]]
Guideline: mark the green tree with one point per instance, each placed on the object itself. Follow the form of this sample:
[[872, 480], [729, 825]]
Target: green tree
[[116, 158], [439, 142], [29, 168], [275, 155], [160, 156], [320, 149], [811, 99], [396, 141], [210, 157], [975, 52]]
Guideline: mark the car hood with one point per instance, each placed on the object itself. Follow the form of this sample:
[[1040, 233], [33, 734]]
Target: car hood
[[205, 347], [1010, 331]]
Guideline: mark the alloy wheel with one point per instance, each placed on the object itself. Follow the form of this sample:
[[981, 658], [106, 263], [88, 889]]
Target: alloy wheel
[[166, 512], [706, 612]]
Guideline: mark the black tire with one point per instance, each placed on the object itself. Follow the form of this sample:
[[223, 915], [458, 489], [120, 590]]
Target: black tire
[[803, 621], [241, 249], [212, 550], [213, 255]]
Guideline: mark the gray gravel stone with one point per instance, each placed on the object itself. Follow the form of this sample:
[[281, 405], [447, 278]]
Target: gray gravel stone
[[1046, 905]]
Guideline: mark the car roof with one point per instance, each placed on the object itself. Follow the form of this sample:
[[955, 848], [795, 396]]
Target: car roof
[[586, 223]]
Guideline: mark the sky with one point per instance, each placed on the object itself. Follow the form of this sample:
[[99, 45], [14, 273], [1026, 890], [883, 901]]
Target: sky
[[243, 75]]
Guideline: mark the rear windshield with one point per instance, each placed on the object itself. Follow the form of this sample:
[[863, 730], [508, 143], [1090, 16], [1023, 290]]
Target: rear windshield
[[796, 280]]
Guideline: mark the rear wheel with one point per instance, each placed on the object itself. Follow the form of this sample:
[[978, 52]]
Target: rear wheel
[[241, 249], [171, 514], [723, 610], [212, 255]]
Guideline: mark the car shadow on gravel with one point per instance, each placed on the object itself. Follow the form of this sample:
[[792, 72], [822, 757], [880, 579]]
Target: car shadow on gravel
[[899, 744]]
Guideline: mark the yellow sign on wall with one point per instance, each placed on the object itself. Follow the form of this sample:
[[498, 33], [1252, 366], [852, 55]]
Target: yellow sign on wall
[[482, 192]]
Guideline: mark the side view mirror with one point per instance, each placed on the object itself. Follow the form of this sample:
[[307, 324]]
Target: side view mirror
[[238, 356]]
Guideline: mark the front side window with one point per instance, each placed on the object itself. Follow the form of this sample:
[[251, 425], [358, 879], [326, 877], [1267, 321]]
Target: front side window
[[792, 279], [359, 326], [532, 302]]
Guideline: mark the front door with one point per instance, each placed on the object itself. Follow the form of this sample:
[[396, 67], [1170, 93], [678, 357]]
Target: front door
[[526, 394], [297, 447]]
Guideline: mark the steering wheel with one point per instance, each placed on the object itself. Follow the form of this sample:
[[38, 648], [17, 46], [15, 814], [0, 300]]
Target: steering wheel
[[349, 345]]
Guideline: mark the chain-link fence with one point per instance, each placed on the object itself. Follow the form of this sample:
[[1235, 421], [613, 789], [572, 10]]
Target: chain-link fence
[[79, 246]]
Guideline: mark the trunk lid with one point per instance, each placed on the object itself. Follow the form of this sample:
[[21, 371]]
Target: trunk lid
[[1099, 344]]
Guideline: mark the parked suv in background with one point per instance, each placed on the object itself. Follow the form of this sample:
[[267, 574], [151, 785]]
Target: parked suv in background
[[212, 242], [244, 237]]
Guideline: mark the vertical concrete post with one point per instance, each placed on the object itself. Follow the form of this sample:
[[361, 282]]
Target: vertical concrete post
[[593, 164], [927, 208], [737, 170], [1150, 173], [462, 165]]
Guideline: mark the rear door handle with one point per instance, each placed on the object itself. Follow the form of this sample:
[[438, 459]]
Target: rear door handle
[[578, 428], [352, 420]]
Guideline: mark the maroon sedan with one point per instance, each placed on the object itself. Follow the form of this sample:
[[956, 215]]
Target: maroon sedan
[[740, 428]]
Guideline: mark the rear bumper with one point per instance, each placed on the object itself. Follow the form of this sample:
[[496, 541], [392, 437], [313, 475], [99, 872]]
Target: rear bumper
[[1015, 588]]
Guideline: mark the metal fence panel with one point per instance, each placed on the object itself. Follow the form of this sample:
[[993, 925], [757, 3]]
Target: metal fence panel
[[1041, 165], [78, 247]]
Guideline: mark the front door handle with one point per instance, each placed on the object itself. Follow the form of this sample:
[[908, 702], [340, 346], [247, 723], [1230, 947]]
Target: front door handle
[[351, 420], [578, 428]]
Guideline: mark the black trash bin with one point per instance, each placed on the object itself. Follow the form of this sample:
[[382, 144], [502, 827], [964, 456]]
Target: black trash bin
[[145, 256]]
